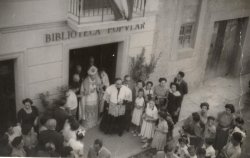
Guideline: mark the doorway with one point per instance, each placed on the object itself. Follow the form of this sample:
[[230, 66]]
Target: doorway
[[105, 57], [225, 50], [7, 93]]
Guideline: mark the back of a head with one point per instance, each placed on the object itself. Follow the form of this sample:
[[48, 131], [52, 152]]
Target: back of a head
[[51, 124], [201, 153], [66, 152], [98, 142], [237, 137], [196, 116], [168, 148], [16, 141], [26, 128]]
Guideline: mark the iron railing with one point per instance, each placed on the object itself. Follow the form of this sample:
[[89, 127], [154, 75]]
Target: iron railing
[[100, 8]]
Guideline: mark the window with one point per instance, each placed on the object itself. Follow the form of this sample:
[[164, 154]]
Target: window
[[186, 35]]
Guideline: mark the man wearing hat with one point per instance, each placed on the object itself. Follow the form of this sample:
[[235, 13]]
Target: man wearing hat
[[89, 101]]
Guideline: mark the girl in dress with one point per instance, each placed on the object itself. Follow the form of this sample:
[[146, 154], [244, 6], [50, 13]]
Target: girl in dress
[[137, 113], [160, 136], [148, 90], [70, 128], [182, 147], [148, 124]]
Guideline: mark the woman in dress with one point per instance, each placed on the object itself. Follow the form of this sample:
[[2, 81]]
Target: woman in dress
[[89, 101], [161, 94], [160, 136], [28, 114], [204, 112], [225, 121], [174, 102], [148, 124]]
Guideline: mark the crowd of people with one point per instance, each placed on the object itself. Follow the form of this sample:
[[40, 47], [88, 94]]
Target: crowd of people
[[147, 111]]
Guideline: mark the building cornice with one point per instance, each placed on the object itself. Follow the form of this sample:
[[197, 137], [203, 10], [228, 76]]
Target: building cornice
[[30, 27]]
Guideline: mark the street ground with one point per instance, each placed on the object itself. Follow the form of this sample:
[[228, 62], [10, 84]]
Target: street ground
[[216, 92]]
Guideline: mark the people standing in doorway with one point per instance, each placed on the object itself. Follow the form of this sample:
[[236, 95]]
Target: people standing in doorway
[[89, 101], [182, 85]]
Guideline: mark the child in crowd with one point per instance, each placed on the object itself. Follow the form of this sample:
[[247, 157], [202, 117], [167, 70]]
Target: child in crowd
[[17, 147], [239, 123], [210, 128], [210, 152], [13, 131], [148, 124], [137, 113], [182, 147], [160, 136], [191, 152], [148, 90]]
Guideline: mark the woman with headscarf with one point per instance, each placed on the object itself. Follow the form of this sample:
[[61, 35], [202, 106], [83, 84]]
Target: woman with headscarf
[[225, 121], [89, 101]]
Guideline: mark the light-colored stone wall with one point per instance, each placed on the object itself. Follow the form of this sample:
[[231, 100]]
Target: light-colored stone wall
[[44, 66], [193, 60]]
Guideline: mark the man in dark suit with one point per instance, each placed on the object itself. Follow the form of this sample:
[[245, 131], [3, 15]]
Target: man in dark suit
[[182, 85], [51, 135]]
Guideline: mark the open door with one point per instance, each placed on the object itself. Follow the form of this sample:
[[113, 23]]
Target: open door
[[7, 94]]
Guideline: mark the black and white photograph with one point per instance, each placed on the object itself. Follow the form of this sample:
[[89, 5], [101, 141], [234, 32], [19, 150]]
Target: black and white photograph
[[125, 78]]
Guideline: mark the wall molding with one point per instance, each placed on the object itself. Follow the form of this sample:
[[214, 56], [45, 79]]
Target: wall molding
[[30, 27]]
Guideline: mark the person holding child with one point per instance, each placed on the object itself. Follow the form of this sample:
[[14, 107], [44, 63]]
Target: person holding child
[[148, 90], [148, 124], [137, 113], [160, 136]]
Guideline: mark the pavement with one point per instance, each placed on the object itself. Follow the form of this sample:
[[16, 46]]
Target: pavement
[[216, 92]]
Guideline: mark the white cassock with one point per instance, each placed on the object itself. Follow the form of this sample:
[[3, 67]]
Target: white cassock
[[113, 98]]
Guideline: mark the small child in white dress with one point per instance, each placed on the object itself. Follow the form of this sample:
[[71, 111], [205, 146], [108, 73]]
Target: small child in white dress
[[137, 113], [148, 124]]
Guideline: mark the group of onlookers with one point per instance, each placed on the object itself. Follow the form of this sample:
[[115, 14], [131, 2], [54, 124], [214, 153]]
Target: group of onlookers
[[147, 111]]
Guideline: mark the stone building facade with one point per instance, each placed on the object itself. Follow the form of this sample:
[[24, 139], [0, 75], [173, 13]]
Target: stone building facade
[[39, 34]]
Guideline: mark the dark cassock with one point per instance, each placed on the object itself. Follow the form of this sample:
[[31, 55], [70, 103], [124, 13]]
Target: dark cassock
[[116, 98]]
